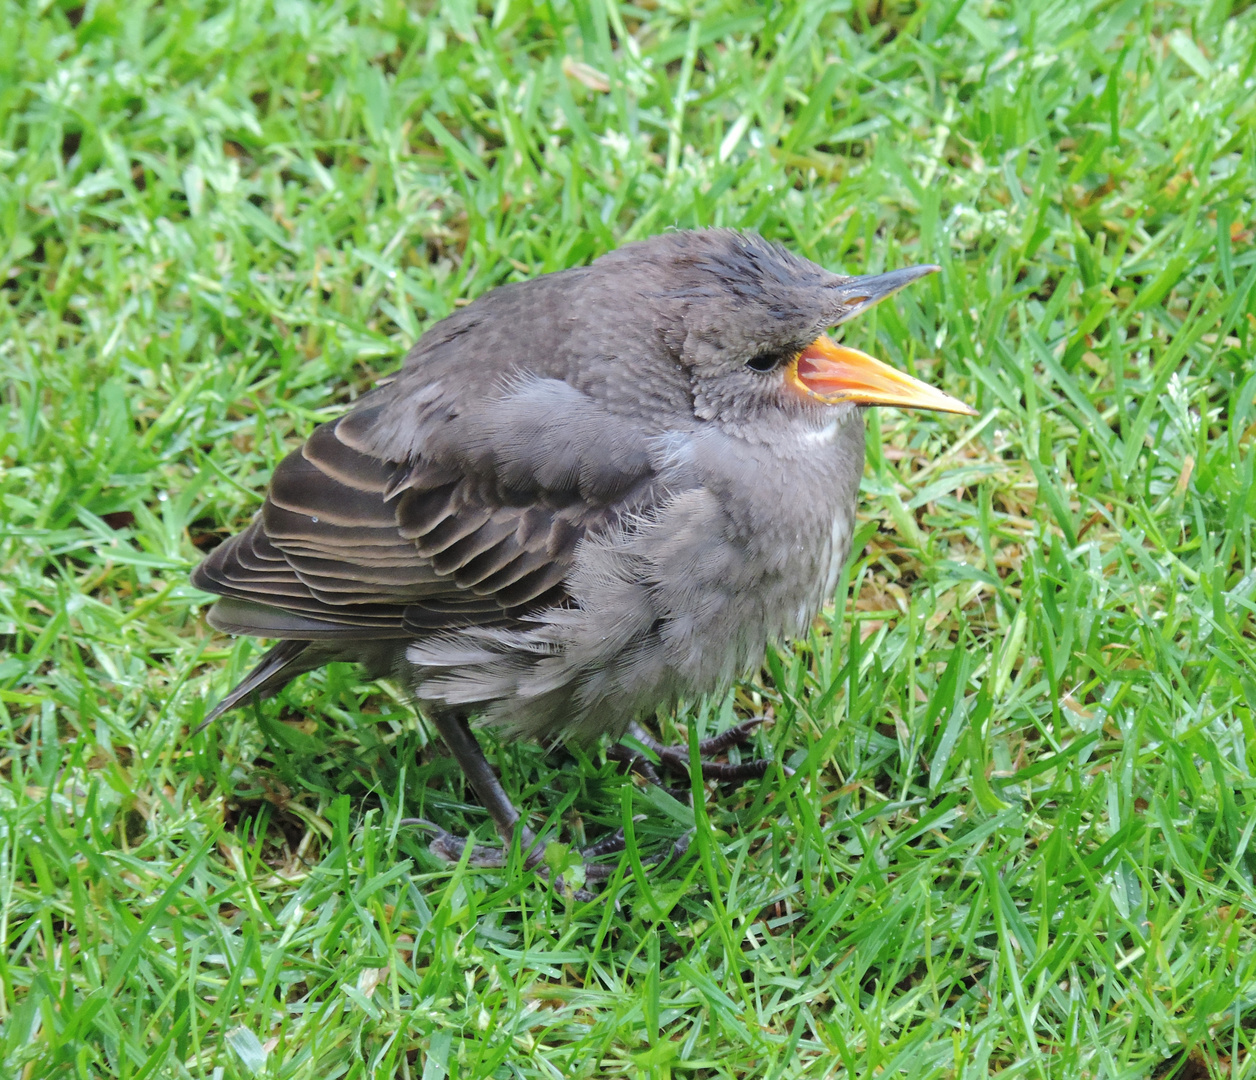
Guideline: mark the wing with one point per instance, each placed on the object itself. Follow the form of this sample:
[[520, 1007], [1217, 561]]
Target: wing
[[477, 524]]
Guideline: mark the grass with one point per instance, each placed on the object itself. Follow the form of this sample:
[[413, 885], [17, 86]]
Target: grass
[[1019, 834]]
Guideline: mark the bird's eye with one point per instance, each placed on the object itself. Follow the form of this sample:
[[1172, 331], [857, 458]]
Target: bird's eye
[[769, 359]]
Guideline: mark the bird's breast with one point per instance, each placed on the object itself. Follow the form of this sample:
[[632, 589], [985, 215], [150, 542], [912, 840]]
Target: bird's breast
[[774, 533]]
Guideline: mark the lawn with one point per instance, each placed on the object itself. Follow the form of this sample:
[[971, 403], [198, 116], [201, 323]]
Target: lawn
[[1018, 834]]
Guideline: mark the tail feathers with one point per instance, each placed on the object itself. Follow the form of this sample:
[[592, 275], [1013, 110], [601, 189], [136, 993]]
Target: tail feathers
[[285, 661]]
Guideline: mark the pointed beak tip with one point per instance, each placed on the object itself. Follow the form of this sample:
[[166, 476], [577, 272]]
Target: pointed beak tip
[[912, 274], [930, 399]]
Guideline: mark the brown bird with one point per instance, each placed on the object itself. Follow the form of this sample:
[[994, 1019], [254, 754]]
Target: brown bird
[[582, 497]]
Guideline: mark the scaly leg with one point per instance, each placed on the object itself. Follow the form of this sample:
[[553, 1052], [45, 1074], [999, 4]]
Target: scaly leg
[[488, 789], [457, 734]]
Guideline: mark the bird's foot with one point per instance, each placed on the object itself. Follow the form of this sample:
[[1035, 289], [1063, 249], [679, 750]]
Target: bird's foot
[[616, 843], [675, 759], [450, 848], [536, 852]]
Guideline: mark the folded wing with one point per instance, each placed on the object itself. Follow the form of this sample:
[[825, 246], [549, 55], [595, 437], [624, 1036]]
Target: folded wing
[[350, 545]]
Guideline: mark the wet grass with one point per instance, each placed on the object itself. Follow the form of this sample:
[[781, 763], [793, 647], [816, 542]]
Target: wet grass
[[1018, 834]]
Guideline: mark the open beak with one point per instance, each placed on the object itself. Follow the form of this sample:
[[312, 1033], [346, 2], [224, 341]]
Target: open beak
[[834, 373]]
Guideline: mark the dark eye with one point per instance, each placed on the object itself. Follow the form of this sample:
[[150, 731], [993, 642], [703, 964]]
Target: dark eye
[[769, 359]]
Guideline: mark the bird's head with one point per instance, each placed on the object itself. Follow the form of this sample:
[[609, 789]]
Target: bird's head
[[749, 322]]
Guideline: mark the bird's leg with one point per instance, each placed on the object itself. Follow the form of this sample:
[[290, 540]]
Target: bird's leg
[[462, 743], [676, 758], [466, 749], [488, 789]]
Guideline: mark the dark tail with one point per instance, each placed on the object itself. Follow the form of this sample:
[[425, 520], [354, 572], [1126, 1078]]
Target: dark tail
[[285, 661]]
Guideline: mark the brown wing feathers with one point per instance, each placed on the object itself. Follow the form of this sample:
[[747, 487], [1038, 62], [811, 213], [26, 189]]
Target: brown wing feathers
[[348, 545]]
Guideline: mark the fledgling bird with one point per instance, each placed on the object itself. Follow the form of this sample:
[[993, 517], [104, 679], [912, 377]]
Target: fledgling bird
[[582, 497]]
